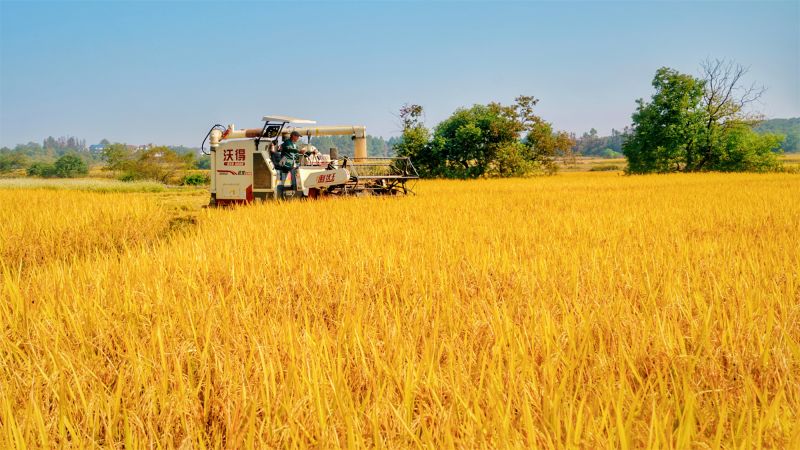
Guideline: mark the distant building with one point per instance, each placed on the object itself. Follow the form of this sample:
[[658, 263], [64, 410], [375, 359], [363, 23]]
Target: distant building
[[96, 149]]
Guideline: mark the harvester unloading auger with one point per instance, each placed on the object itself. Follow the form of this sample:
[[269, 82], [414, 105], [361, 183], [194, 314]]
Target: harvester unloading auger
[[244, 164]]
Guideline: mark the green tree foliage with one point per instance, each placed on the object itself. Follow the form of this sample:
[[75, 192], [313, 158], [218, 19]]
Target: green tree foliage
[[547, 145], [10, 160], [693, 124], [46, 153], [667, 130], [118, 157], [467, 143], [483, 140], [70, 166], [30, 150], [744, 150], [544, 144], [67, 166], [29, 153], [414, 143], [41, 169], [203, 162], [512, 160], [195, 179]]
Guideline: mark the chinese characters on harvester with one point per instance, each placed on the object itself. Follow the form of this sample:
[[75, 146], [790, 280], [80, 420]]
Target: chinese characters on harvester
[[228, 157], [326, 178]]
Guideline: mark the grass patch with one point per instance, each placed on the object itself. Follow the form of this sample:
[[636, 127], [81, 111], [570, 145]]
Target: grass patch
[[605, 168], [83, 184]]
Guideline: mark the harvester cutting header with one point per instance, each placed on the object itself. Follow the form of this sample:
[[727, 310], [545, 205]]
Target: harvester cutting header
[[256, 164]]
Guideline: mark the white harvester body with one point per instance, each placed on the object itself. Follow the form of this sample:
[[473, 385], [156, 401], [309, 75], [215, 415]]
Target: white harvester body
[[243, 173]]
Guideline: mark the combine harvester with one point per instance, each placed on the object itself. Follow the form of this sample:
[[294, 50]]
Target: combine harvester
[[243, 164]]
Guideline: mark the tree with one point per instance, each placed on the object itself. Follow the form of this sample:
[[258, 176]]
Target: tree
[[483, 140], [63, 145], [411, 115], [67, 166], [724, 102], [203, 162], [117, 157], [31, 149], [512, 160], [667, 130], [41, 169], [11, 160], [159, 163], [414, 142], [745, 150], [155, 163], [546, 145], [468, 141], [693, 124], [70, 166]]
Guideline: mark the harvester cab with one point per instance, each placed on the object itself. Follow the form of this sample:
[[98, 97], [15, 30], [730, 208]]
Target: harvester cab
[[245, 164]]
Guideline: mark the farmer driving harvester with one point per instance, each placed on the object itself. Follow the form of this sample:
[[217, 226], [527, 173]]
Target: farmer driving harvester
[[288, 163]]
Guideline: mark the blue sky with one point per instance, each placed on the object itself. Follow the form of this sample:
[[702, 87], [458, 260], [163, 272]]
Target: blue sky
[[163, 72]]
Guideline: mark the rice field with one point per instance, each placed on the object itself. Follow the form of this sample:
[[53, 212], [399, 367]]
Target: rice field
[[584, 310]]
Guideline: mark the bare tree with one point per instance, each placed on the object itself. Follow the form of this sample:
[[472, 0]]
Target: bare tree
[[725, 100], [411, 115]]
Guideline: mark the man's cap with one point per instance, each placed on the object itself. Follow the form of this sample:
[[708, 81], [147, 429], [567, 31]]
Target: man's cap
[[295, 133]]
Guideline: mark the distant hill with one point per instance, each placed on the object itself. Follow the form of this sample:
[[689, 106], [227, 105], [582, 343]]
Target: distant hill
[[787, 127]]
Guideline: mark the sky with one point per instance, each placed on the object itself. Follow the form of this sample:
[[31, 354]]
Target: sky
[[164, 72]]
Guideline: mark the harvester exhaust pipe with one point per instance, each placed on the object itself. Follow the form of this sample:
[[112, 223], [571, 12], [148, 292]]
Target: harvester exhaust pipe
[[215, 137]]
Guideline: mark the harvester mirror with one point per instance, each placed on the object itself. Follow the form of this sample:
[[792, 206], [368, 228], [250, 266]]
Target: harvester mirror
[[334, 153]]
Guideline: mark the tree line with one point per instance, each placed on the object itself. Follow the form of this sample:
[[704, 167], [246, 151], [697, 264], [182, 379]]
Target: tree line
[[68, 157], [790, 128], [592, 144], [65, 156], [376, 145]]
